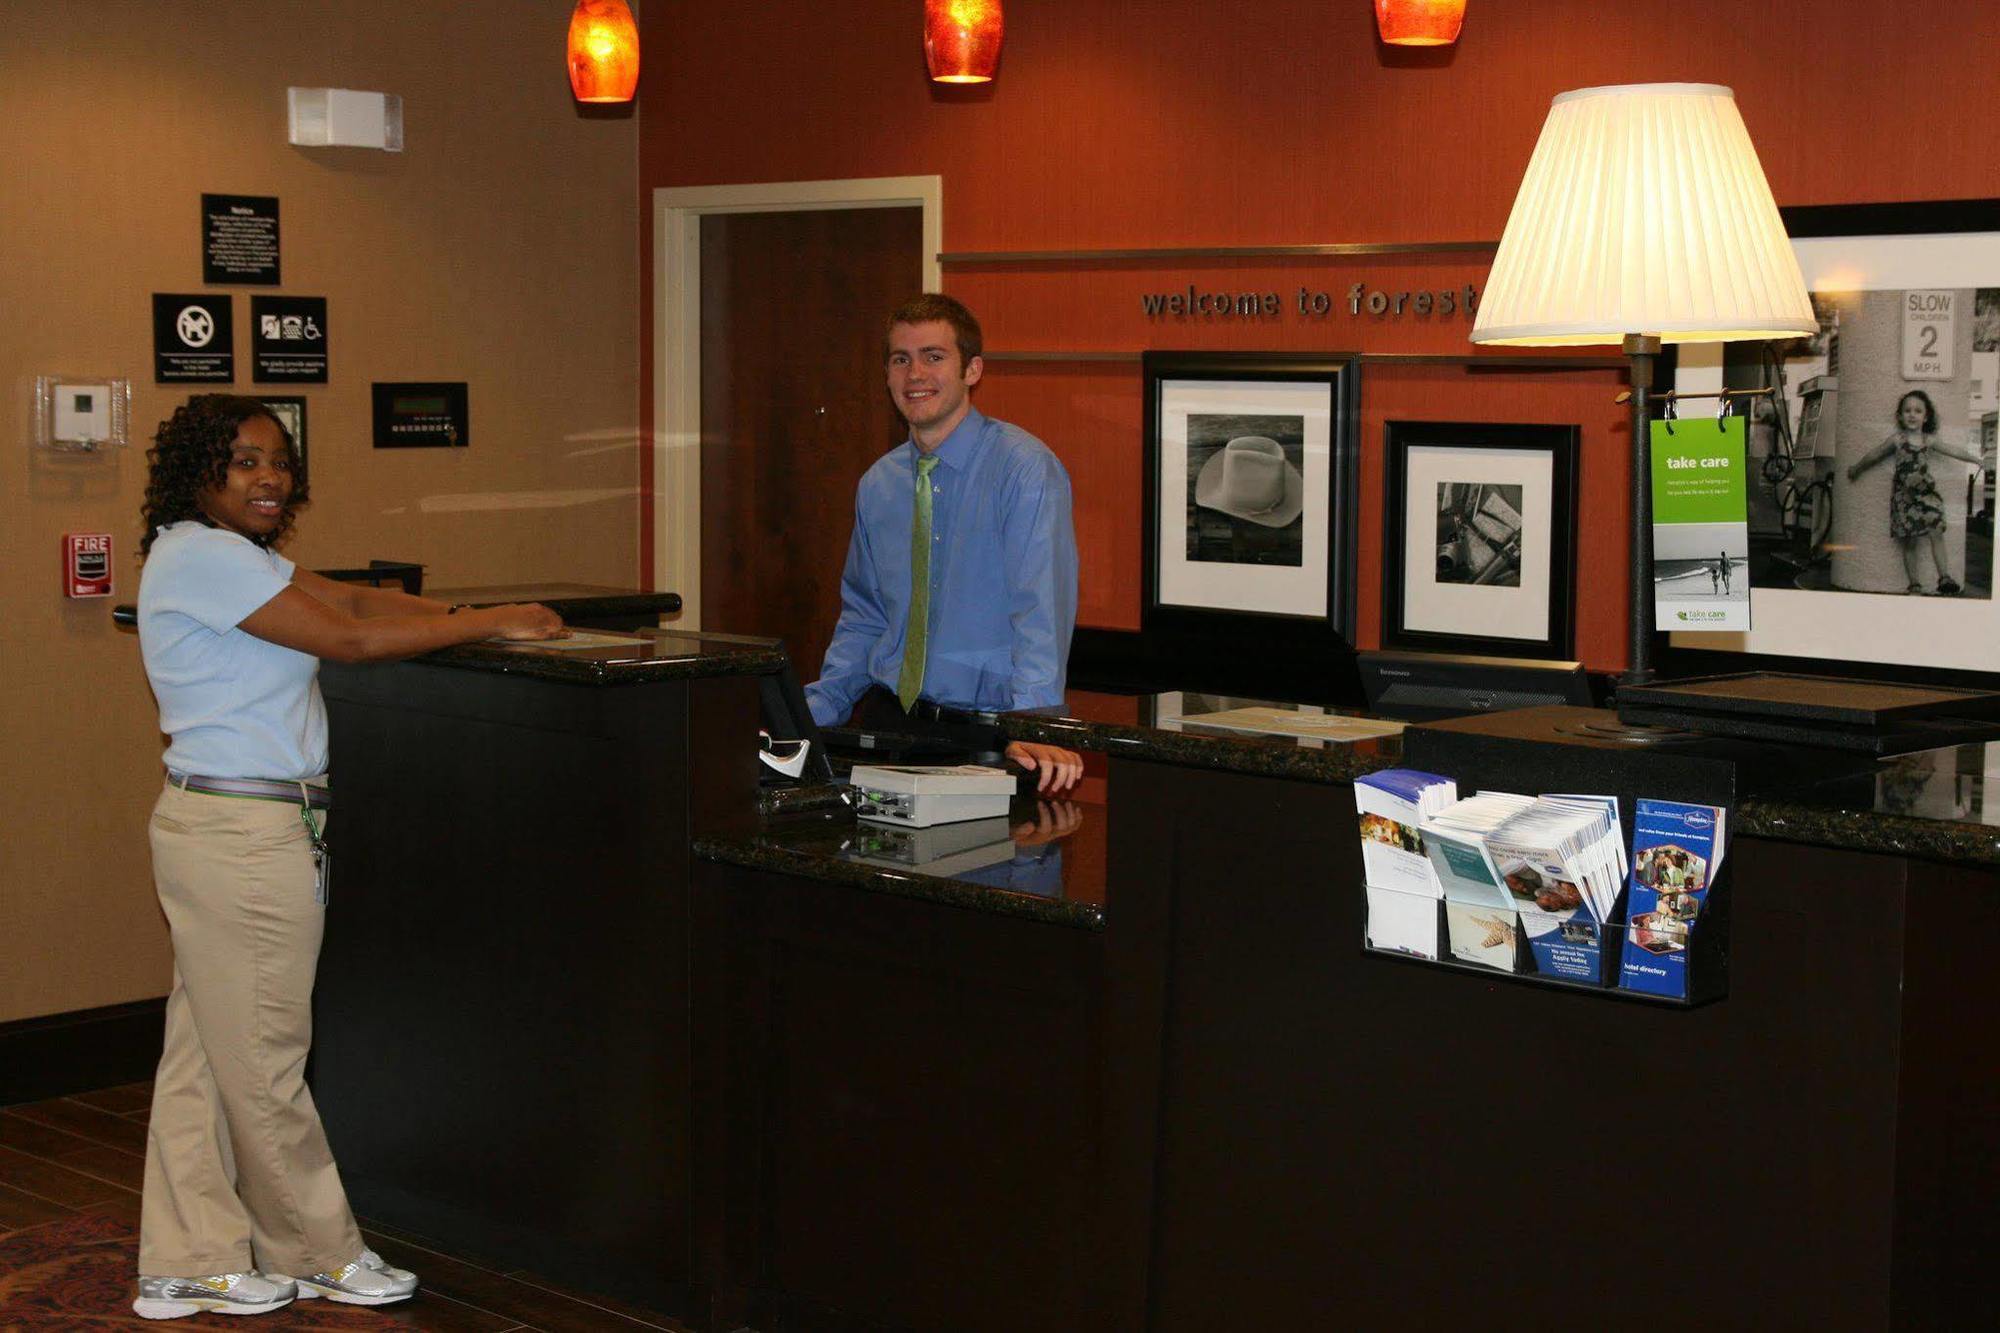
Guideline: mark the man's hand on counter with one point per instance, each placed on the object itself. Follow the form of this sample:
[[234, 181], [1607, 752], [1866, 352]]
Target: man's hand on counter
[[1053, 820], [1058, 769]]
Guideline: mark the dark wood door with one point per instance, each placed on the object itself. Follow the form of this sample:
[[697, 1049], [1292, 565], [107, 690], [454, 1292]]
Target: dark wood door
[[793, 407]]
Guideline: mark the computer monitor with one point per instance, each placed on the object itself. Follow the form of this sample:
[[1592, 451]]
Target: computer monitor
[[1421, 686]]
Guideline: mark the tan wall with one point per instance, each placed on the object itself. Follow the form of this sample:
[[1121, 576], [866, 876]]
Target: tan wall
[[498, 248]]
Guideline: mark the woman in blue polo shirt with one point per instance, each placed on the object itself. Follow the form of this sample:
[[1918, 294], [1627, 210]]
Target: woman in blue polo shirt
[[243, 1208]]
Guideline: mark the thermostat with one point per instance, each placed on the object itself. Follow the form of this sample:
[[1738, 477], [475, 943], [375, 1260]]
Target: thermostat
[[82, 413]]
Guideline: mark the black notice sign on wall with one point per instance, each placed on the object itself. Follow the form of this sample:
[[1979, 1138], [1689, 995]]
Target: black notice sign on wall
[[288, 339], [193, 340], [239, 239]]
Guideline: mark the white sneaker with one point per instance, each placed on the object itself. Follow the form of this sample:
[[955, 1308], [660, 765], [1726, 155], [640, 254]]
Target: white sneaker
[[357, 1284], [224, 1293], [370, 1259]]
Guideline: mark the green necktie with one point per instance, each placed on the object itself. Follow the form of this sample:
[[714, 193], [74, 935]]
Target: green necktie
[[911, 683]]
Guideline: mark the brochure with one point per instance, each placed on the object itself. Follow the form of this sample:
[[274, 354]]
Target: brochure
[[1543, 871], [1401, 922], [1481, 924], [1391, 805], [1701, 540], [1401, 887], [1483, 935], [1563, 860], [1677, 850], [1455, 841]]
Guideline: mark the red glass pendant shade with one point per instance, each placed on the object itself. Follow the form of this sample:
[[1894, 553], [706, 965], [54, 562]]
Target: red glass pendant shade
[[1419, 22], [962, 40], [603, 51]]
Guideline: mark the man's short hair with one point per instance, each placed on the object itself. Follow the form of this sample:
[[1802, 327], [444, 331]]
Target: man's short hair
[[928, 306]]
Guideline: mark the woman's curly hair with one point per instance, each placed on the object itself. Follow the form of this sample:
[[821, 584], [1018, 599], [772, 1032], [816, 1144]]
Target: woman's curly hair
[[190, 454]]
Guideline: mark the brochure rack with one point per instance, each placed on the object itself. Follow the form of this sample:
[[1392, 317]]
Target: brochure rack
[[1565, 749]]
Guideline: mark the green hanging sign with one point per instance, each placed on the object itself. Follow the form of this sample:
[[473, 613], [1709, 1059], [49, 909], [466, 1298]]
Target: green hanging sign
[[1701, 534]]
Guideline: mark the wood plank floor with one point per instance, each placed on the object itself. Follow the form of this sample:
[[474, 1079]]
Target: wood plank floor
[[75, 1165]]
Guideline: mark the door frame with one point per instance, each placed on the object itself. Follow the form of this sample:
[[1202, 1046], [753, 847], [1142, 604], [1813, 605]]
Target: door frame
[[677, 215]]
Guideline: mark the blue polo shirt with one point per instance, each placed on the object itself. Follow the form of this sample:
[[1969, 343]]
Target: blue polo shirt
[[232, 705]]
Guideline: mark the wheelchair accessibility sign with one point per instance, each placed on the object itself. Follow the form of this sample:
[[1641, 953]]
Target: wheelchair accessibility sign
[[288, 339]]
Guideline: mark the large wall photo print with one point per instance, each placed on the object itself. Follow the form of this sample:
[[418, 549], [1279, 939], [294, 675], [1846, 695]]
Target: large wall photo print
[[1871, 473]]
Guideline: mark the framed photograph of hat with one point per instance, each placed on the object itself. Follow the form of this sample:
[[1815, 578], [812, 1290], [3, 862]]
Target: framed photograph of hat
[[1250, 495], [1480, 528]]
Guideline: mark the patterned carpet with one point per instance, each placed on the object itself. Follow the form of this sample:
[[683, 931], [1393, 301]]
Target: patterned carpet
[[76, 1273]]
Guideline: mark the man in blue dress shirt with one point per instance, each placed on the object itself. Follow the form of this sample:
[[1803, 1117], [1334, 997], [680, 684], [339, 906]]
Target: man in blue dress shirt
[[959, 594]]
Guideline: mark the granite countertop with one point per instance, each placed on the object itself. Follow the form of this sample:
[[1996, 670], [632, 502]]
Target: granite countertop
[[1934, 805], [1043, 861], [572, 601], [638, 656], [819, 798], [1167, 728], [1931, 805]]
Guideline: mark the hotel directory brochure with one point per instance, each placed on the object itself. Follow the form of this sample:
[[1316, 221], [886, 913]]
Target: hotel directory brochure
[[1401, 886], [1677, 849]]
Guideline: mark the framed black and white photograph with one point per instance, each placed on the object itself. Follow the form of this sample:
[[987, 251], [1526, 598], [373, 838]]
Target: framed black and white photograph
[[291, 412], [1479, 522], [1871, 470], [1249, 487]]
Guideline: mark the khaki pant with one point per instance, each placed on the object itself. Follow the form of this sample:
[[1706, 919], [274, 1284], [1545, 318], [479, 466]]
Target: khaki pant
[[238, 1172]]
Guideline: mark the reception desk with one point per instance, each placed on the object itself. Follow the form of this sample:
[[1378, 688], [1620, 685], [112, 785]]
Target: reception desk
[[502, 1035], [785, 1071]]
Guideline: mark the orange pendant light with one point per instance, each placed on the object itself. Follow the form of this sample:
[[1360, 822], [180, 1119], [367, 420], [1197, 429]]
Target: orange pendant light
[[962, 40], [603, 51], [1419, 22]]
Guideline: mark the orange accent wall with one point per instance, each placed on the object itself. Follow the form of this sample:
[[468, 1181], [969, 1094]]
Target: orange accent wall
[[1122, 123]]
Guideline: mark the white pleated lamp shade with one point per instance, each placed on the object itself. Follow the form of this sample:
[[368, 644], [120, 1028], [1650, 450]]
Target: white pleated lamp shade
[[1644, 210]]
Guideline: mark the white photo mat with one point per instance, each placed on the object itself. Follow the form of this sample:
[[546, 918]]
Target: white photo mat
[[1430, 606], [1276, 590], [1870, 627]]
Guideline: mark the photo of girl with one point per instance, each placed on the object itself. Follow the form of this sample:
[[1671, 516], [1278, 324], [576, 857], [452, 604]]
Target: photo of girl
[[1916, 509], [1902, 377]]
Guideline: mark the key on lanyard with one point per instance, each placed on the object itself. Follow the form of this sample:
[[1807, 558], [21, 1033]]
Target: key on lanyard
[[322, 857]]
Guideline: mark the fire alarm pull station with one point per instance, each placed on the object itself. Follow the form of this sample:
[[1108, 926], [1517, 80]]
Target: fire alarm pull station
[[86, 564]]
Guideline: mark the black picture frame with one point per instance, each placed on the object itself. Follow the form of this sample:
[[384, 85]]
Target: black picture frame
[[1561, 445], [290, 409], [1163, 618], [1866, 226]]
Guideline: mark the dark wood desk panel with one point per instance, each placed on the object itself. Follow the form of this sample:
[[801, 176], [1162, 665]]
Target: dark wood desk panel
[[503, 1045], [901, 1111], [1348, 1140]]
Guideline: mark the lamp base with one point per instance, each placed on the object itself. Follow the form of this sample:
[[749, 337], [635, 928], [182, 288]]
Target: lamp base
[[1628, 733]]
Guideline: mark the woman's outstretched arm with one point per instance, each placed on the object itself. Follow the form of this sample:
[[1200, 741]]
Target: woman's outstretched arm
[[298, 620], [364, 600]]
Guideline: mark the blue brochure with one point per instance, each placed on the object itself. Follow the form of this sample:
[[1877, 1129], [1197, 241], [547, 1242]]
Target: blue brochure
[[1676, 851]]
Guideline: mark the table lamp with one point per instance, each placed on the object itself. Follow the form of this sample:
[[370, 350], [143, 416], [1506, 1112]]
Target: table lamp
[[1644, 218]]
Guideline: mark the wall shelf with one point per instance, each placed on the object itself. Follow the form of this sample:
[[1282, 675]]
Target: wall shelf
[[957, 258], [1471, 361]]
